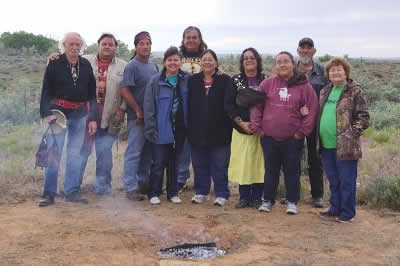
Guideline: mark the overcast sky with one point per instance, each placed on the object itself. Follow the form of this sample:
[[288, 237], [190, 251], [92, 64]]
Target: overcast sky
[[358, 28]]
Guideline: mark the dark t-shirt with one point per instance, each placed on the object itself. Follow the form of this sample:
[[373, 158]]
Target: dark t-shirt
[[136, 75], [191, 62]]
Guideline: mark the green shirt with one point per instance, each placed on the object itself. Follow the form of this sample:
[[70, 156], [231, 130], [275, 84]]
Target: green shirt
[[327, 127]]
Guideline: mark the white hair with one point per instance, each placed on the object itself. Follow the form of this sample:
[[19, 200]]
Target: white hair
[[68, 34]]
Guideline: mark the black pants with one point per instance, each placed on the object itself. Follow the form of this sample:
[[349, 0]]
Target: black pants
[[251, 193], [315, 171], [286, 155]]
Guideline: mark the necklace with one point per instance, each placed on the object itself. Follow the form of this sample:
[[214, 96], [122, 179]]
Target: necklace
[[74, 71]]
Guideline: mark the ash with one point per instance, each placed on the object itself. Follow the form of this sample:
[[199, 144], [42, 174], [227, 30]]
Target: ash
[[192, 253]]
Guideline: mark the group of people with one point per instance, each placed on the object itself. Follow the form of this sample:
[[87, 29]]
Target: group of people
[[245, 128]]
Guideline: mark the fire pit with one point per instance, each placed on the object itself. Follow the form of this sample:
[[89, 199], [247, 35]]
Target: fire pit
[[192, 251]]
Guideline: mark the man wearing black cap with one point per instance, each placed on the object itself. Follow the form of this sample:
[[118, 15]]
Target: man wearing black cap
[[138, 153], [315, 74]]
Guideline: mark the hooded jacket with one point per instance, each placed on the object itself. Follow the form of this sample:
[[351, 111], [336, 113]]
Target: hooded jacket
[[280, 115], [352, 118]]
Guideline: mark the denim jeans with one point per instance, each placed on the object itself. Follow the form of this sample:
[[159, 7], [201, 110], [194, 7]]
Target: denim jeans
[[183, 161], [286, 155], [211, 162], [161, 159], [76, 133], [251, 193], [138, 157], [342, 176], [103, 142]]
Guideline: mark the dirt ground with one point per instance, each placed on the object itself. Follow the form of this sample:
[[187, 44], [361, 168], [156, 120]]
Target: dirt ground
[[115, 231]]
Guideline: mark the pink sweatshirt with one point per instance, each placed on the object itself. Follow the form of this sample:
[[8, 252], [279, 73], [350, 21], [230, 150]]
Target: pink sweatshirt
[[280, 116]]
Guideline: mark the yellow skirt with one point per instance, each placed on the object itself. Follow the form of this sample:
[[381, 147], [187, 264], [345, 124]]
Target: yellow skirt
[[246, 165]]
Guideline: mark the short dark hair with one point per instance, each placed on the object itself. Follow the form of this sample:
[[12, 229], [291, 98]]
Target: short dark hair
[[203, 45], [173, 50], [107, 35], [258, 59], [288, 54]]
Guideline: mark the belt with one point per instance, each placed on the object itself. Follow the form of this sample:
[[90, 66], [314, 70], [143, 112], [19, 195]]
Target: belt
[[67, 103]]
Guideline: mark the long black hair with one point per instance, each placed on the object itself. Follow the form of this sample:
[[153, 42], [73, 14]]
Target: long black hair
[[258, 59]]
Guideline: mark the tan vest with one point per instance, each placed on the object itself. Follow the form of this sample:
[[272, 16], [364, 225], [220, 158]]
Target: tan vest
[[113, 100]]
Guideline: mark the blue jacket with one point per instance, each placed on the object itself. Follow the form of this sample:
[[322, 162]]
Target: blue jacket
[[157, 106]]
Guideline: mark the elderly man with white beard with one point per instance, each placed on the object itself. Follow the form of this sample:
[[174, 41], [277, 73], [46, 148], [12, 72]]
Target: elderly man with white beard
[[315, 74]]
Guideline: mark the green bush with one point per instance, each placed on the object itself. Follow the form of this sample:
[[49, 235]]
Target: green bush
[[381, 192], [385, 114], [381, 137]]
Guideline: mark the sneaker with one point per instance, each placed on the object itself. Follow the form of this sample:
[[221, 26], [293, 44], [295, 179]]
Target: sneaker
[[318, 202], [46, 200], [132, 195], [291, 208], [175, 199], [283, 201], [266, 206], [197, 199], [327, 214], [76, 197], [242, 204], [344, 219], [155, 200], [219, 201]]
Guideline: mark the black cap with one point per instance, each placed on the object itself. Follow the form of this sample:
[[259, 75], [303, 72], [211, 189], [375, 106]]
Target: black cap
[[306, 40], [143, 35]]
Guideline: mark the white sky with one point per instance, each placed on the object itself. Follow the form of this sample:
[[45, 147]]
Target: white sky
[[368, 28]]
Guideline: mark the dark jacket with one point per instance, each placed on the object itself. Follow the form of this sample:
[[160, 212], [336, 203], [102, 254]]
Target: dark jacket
[[157, 106], [352, 118], [240, 83], [58, 83], [317, 79], [280, 116], [210, 117]]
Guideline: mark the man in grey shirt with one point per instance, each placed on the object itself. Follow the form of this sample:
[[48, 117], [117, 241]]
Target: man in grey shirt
[[137, 73]]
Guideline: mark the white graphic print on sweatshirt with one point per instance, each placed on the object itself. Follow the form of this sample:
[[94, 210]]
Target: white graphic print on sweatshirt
[[284, 95]]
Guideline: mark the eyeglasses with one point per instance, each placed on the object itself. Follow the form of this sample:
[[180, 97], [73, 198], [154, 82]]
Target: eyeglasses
[[209, 60], [249, 58]]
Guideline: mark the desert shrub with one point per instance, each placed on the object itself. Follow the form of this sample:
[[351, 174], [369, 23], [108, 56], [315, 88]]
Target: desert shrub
[[391, 94], [325, 58], [385, 114], [381, 137], [396, 82], [381, 192], [371, 88]]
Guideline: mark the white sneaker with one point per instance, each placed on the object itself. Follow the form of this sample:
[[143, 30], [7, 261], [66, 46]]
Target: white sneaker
[[291, 208], [219, 201], [199, 198], [266, 206], [175, 199], [155, 200]]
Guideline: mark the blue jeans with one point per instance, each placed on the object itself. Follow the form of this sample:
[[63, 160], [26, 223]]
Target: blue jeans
[[138, 157], [211, 162], [342, 176], [286, 155], [76, 133], [103, 142], [183, 161]]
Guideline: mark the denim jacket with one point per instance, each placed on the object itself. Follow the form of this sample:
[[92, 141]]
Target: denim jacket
[[317, 79], [157, 106]]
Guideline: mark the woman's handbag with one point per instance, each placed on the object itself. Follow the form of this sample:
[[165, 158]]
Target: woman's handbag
[[248, 97], [47, 157]]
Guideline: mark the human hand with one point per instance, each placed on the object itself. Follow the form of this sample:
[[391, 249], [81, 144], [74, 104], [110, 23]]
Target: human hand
[[92, 127], [139, 117], [304, 111], [53, 56], [246, 126], [119, 115], [50, 119]]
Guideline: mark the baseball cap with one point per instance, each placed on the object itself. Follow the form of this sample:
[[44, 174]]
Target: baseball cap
[[306, 40]]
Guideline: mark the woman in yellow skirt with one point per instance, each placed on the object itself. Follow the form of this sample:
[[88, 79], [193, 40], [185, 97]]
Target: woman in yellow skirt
[[246, 166]]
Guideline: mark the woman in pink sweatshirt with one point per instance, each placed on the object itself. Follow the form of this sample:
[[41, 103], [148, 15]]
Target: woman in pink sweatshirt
[[283, 128]]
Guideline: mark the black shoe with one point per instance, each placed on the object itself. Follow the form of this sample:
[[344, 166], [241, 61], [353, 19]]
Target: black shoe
[[75, 197], [46, 200], [283, 201], [318, 202], [132, 195], [256, 204], [327, 214], [344, 219], [143, 188], [242, 204], [181, 187]]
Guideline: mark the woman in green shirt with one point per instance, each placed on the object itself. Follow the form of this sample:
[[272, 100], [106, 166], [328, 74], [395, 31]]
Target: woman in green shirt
[[342, 120]]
